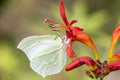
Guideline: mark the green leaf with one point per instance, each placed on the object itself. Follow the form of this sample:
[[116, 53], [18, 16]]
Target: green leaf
[[47, 54]]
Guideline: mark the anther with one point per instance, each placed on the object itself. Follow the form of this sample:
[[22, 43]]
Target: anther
[[57, 29], [54, 29], [51, 26], [45, 21]]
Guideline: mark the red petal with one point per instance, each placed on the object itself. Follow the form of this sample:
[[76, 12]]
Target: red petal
[[115, 37], [69, 50], [117, 30], [84, 38], [114, 66], [116, 57], [73, 22], [80, 61], [76, 31], [63, 14]]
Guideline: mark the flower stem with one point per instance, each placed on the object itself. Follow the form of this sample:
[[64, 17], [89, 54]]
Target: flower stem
[[99, 79]]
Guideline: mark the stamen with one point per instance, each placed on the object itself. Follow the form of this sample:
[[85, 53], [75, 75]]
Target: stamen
[[53, 24], [55, 29], [49, 21]]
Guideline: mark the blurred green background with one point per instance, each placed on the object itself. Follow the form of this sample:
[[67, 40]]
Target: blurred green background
[[22, 18]]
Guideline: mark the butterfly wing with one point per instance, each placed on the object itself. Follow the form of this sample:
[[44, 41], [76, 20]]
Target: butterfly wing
[[47, 54]]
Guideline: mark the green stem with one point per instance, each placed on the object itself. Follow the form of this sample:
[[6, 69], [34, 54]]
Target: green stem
[[99, 79]]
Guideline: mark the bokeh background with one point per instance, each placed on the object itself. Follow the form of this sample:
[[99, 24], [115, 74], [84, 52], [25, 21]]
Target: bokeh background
[[22, 18]]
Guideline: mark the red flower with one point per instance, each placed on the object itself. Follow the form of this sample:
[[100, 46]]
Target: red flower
[[97, 69], [73, 33]]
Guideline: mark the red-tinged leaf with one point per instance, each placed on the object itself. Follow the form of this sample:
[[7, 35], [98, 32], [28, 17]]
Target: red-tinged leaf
[[80, 61]]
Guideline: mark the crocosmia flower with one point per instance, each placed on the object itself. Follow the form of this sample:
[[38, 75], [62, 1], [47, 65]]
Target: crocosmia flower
[[97, 69], [73, 33]]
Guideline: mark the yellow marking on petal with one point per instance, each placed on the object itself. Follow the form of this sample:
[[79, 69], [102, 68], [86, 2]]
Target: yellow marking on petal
[[96, 53], [106, 71], [116, 57], [112, 48]]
